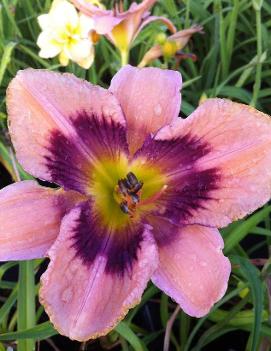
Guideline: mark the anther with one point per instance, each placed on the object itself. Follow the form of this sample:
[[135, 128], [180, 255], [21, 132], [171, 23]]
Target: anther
[[129, 189], [132, 179], [122, 187], [127, 184], [124, 207], [135, 198], [137, 187]]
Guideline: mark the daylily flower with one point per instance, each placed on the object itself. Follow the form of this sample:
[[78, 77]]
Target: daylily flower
[[168, 47], [142, 192], [121, 27], [66, 34]]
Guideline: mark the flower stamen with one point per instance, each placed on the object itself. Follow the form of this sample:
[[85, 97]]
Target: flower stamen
[[128, 191]]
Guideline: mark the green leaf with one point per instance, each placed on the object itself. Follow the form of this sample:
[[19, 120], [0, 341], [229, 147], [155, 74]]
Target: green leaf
[[241, 318], [126, 332], [252, 275], [9, 303], [39, 332], [26, 303], [6, 57], [240, 231], [164, 315]]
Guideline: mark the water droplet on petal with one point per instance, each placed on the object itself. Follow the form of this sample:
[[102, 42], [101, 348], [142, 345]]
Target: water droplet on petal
[[67, 295], [158, 110], [203, 263]]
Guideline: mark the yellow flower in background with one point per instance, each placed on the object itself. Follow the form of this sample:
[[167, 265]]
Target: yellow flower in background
[[66, 34]]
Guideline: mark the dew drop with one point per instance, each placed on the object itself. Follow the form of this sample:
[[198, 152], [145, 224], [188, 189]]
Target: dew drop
[[158, 110], [67, 295], [203, 263]]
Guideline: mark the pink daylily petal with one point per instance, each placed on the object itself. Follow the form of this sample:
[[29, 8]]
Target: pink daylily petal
[[193, 270], [149, 98], [150, 19], [183, 36], [90, 10], [142, 7], [49, 113], [105, 24], [218, 163], [151, 55], [121, 28], [81, 291], [132, 19], [104, 20], [30, 217]]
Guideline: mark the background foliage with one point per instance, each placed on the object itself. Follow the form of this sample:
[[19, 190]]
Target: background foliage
[[234, 61]]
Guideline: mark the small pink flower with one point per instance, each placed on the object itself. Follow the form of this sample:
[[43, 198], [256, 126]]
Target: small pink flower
[[122, 27], [142, 192], [170, 46]]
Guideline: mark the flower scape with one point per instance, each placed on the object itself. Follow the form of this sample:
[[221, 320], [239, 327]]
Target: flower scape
[[142, 192]]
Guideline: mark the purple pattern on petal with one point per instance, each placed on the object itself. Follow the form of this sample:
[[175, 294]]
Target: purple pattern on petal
[[64, 162], [102, 136], [186, 194], [92, 239], [189, 188], [178, 153], [163, 230], [69, 166]]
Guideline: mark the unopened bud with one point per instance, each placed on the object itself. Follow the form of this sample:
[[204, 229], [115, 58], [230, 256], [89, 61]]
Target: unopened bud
[[169, 48], [243, 293], [160, 38]]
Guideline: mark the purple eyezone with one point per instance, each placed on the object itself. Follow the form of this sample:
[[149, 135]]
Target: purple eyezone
[[91, 239], [102, 136], [189, 194], [123, 250], [64, 163], [164, 230], [87, 239], [179, 153], [189, 188], [68, 165]]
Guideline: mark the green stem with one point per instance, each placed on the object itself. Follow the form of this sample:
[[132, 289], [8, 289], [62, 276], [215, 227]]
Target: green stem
[[257, 84], [187, 12], [231, 33], [124, 54], [26, 303], [222, 39]]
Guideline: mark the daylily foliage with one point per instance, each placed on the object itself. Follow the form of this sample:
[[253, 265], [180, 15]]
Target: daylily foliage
[[142, 192]]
